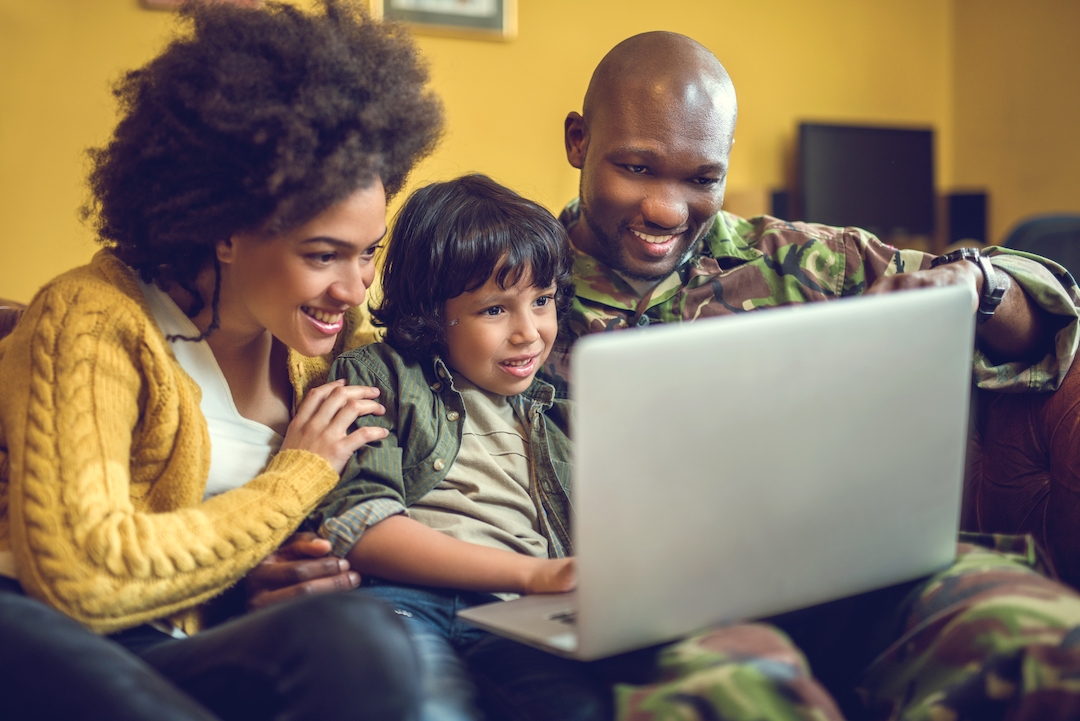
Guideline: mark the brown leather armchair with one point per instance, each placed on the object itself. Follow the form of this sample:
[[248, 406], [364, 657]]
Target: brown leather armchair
[[1024, 470], [10, 312], [1024, 460]]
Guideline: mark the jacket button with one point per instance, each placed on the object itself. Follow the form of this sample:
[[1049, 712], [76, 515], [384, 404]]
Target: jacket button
[[439, 464], [436, 386], [452, 416]]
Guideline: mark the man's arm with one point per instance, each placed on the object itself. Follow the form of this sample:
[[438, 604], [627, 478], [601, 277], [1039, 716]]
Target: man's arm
[[403, 550], [1019, 328], [302, 566]]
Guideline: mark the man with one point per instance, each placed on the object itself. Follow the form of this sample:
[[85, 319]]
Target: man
[[653, 143], [987, 635]]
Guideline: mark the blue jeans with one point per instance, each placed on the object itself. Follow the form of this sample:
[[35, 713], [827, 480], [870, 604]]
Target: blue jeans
[[467, 673]]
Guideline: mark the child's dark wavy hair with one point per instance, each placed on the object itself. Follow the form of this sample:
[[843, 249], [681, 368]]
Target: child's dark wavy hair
[[256, 118], [450, 238]]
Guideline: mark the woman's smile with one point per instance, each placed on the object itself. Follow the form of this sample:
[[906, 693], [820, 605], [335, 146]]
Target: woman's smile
[[298, 285]]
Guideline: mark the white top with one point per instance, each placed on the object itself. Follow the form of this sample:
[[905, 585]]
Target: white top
[[240, 448]]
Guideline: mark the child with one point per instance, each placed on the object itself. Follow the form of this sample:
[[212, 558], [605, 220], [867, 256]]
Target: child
[[467, 496]]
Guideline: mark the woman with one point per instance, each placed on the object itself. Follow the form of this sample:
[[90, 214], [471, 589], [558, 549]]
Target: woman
[[164, 425]]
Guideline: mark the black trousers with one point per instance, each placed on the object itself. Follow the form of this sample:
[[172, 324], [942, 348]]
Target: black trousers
[[340, 656]]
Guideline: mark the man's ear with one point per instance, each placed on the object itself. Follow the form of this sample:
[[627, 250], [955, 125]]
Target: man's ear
[[576, 136]]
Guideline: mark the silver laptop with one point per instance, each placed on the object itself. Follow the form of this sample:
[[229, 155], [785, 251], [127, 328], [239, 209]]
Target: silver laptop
[[740, 467]]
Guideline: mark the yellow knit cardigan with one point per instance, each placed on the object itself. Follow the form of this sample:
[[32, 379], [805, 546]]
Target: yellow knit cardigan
[[104, 456]]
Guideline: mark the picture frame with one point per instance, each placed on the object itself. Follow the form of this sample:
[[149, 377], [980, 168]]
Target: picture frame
[[470, 19]]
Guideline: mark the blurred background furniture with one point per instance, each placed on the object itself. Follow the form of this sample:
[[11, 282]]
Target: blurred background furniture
[[1056, 237]]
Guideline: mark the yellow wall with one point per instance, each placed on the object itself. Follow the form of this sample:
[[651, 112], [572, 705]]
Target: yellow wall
[[840, 60], [57, 59], [1017, 87]]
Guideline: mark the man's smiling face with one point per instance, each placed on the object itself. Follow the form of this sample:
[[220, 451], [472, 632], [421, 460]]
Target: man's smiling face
[[653, 155]]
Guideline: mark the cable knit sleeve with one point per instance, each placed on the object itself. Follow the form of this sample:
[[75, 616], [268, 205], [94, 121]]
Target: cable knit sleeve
[[108, 457]]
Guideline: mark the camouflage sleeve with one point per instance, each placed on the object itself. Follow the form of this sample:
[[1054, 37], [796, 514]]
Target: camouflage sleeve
[[867, 259], [1051, 287]]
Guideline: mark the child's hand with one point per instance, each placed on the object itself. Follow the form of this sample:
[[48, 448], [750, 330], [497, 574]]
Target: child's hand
[[552, 575], [322, 422]]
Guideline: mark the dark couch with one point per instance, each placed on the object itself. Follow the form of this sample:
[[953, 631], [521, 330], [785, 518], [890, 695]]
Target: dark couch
[[1024, 470]]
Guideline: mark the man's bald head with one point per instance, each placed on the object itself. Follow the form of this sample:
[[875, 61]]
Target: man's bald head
[[663, 67], [653, 144]]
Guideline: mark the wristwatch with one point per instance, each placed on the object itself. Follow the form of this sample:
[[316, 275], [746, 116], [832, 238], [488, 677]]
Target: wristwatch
[[992, 289]]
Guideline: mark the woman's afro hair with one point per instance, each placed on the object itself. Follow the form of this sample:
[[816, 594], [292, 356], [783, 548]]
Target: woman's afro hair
[[256, 118]]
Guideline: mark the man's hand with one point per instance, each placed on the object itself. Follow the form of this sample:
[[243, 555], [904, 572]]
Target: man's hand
[[301, 567], [1019, 330], [962, 273], [552, 575]]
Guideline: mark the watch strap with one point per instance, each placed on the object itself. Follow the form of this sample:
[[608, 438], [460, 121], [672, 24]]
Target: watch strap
[[993, 289]]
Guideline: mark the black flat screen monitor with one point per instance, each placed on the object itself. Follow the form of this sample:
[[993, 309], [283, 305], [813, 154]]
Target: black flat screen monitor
[[877, 178]]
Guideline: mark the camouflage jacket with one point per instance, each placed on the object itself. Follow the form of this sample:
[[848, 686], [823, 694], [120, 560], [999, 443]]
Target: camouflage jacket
[[748, 264]]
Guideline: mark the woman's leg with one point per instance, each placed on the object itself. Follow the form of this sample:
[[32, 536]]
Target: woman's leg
[[339, 656], [53, 668]]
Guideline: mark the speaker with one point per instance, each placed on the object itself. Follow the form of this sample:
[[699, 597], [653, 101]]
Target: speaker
[[780, 205], [967, 216]]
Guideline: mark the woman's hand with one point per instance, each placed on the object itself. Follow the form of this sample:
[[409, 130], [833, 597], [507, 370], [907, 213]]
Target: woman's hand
[[301, 567], [552, 575], [322, 422]]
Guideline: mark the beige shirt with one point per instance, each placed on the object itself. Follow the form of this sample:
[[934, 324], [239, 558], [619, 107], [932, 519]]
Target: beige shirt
[[485, 499]]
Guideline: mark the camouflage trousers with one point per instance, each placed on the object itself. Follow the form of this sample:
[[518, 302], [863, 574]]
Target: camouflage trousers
[[990, 637]]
